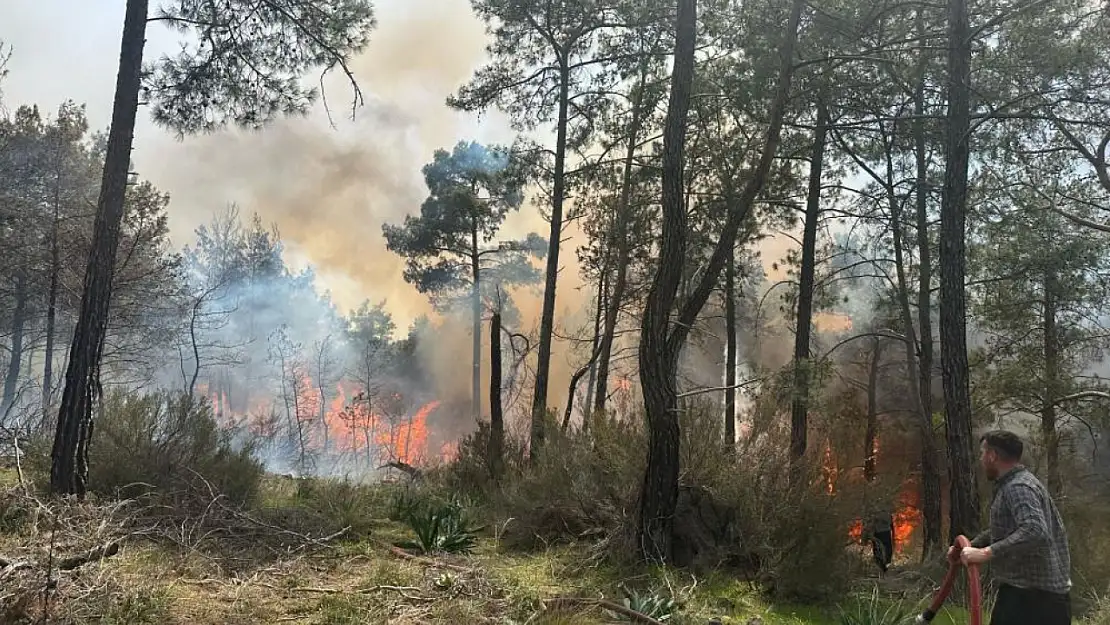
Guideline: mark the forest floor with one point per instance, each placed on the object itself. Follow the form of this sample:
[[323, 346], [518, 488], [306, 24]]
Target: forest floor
[[367, 581]]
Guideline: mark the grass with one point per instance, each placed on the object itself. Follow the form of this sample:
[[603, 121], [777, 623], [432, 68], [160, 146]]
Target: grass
[[362, 580]]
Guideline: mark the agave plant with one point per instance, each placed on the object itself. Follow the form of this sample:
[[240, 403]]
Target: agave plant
[[657, 606], [441, 529]]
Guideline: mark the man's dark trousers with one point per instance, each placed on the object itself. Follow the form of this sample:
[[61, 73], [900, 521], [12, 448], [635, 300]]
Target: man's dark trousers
[[1023, 606]]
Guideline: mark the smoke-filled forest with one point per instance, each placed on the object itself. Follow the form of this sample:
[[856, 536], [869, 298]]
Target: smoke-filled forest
[[505, 311]]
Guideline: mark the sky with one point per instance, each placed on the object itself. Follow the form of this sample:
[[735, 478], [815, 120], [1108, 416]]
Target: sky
[[327, 190]]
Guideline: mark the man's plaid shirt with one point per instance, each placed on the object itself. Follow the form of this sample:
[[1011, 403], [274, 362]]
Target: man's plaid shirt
[[1026, 535]]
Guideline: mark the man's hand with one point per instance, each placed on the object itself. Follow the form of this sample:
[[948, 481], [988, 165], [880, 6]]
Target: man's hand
[[971, 555], [953, 553]]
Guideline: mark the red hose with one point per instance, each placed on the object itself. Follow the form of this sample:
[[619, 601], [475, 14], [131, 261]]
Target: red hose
[[975, 592]]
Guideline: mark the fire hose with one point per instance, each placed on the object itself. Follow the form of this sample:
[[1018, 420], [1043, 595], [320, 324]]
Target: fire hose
[[974, 590]]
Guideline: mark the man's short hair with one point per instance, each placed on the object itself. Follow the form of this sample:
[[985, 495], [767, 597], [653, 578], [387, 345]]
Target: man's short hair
[[1006, 444]]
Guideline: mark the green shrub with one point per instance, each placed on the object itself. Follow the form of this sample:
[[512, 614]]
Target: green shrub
[[167, 444]]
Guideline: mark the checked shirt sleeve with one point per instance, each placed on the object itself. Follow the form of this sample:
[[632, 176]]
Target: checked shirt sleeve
[[1024, 503]]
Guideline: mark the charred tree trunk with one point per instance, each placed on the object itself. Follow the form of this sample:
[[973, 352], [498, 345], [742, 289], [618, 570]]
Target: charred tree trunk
[[547, 316], [496, 418], [1051, 383], [930, 454], [69, 458], [621, 240], [964, 492], [799, 407], [730, 351], [872, 409], [658, 356], [15, 364]]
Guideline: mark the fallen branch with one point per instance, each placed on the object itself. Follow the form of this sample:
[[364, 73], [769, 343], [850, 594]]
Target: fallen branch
[[401, 553], [563, 603], [93, 555], [413, 473]]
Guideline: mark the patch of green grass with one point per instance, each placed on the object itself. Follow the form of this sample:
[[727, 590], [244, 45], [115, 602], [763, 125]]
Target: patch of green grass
[[139, 608]]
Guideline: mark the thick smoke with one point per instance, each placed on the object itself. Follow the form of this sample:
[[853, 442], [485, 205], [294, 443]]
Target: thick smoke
[[329, 190]]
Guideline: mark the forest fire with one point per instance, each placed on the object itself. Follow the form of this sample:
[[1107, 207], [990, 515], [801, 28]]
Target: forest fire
[[353, 423], [906, 516]]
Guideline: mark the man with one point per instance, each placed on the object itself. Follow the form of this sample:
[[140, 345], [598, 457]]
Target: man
[[1026, 544], [880, 531]]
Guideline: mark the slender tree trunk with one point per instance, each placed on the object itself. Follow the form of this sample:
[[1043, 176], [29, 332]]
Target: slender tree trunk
[[657, 358], [1051, 390], [872, 409], [931, 497], [15, 364], [621, 239], [547, 316], [69, 458], [476, 326], [595, 347], [51, 309], [730, 351], [930, 465], [964, 492], [496, 418], [799, 407]]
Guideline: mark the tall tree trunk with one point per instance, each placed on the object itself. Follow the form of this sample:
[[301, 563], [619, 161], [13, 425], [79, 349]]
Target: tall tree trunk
[[69, 458], [931, 498], [661, 340], [1051, 390], [799, 407], [872, 409], [930, 485], [496, 419], [547, 316], [51, 305], [963, 489], [657, 358], [476, 325], [621, 240], [730, 351], [15, 364]]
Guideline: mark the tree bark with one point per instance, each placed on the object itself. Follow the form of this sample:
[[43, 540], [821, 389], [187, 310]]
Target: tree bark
[[799, 407], [661, 340], [547, 316], [730, 351], [15, 364], [621, 240], [69, 458], [872, 433], [931, 497], [658, 359], [930, 465], [476, 324], [595, 347], [51, 307], [963, 488], [496, 419], [1051, 383]]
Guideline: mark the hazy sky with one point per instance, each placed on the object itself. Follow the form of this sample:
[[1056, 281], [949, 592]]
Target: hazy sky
[[327, 190]]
